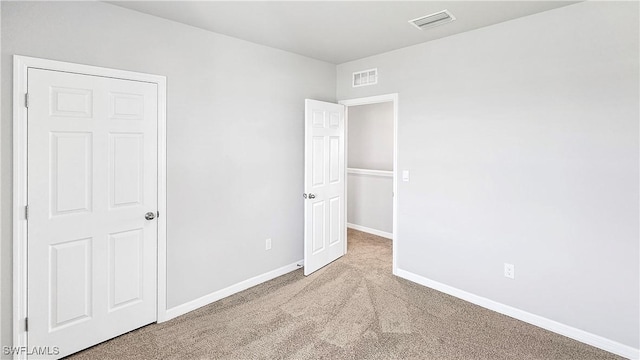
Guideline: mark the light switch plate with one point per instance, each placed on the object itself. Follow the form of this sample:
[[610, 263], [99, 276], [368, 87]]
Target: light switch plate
[[405, 175]]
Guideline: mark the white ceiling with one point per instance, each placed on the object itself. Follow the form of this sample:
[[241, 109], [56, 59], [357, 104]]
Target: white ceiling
[[336, 31]]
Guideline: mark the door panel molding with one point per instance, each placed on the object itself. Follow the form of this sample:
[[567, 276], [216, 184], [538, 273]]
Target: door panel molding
[[21, 64], [324, 221]]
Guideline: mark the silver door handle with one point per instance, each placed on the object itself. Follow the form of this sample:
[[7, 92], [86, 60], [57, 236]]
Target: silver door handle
[[150, 216], [312, 196]]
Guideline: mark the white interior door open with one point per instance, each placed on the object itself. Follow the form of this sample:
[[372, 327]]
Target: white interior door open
[[92, 203], [324, 184]]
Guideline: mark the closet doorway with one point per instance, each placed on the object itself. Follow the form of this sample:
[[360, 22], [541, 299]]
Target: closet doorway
[[371, 161]]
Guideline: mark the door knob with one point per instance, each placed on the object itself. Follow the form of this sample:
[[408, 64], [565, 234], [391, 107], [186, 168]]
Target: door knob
[[312, 196], [150, 216]]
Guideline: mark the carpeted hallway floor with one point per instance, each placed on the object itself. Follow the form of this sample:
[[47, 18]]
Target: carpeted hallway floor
[[352, 309]]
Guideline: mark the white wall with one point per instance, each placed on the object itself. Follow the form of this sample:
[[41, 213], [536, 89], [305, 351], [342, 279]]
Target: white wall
[[235, 135], [370, 202], [3, 261], [370, 146], [370, 136], [522, 142]]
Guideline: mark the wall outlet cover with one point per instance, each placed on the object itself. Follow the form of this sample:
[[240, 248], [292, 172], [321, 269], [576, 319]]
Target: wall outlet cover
[[509, 271]]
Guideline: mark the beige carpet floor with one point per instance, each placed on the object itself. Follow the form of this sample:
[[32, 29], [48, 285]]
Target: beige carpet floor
[[352, 309]]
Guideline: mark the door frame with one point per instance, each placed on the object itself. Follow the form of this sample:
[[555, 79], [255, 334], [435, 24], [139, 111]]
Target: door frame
[[393, 98], [21, 64]]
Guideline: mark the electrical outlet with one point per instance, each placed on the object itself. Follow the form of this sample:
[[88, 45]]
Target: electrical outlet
[[268, 244], [509, 271]]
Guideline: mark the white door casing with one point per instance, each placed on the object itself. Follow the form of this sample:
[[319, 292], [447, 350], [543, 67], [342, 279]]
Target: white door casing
[[324, 184], [106, 128]]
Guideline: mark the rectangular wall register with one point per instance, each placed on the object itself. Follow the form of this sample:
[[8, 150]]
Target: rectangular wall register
[[364, 78]]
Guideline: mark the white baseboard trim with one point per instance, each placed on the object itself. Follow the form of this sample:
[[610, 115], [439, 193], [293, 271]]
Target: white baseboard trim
[[548, 324], [383, 234], [228, 291]]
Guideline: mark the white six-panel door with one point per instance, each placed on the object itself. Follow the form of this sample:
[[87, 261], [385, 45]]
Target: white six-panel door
[[324, 217], [92, 177]]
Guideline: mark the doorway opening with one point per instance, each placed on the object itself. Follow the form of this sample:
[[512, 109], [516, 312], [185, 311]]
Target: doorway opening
[[371, 162]]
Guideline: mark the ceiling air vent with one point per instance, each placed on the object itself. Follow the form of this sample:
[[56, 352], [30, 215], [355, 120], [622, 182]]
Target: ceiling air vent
[[439, 18], [366, 77]]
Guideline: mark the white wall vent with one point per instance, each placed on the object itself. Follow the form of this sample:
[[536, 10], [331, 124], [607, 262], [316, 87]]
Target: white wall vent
[[364, 78], [435, 19]]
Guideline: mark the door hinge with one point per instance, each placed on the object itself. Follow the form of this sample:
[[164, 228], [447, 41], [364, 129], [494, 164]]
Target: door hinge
[[26, 324], [26, 100], [26, 212]]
